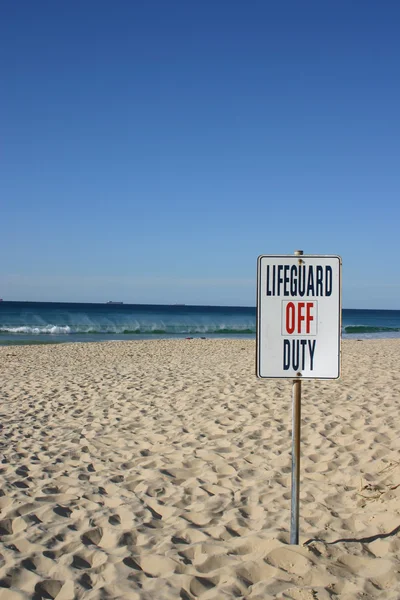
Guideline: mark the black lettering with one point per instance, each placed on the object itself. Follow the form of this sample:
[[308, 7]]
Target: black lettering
[[311, 347], [303, 349], [268, 290], [296, 360], [286, 280], [286, 355], [302, 280], [273, 280], [328, 281], [293, 280], [310, 282], [318, 283], [280, 280]]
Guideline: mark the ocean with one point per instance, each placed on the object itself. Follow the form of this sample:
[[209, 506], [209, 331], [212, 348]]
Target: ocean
[[55, 322]]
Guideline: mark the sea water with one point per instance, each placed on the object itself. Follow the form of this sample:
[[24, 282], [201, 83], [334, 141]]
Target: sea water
[[41, 322]]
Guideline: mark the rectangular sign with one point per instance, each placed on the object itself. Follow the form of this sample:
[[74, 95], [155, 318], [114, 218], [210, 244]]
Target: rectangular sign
[[298, 316]]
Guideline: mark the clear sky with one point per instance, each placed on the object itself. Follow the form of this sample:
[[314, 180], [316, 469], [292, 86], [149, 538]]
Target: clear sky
[[151, 150]]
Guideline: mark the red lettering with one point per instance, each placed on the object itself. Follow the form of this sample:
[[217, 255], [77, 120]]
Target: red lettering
[[300, 316], [309, 317], [290, 317]]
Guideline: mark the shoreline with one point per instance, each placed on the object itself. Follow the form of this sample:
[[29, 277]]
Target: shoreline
[[53, 339]]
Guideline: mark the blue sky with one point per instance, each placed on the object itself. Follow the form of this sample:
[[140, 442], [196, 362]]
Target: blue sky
[[150, 151]]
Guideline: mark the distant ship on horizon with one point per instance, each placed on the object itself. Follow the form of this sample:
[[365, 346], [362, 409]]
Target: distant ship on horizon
[[112, 302]]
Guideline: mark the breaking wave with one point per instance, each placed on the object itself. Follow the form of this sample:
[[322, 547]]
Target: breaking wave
[[48, 322], [165, 329], [143, 329], [47, 329], [360, 329]]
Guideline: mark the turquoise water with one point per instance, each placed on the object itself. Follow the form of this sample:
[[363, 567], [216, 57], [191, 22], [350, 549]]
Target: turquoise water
[[43, 322]]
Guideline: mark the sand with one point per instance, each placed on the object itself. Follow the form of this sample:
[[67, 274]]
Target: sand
[[161, 470]]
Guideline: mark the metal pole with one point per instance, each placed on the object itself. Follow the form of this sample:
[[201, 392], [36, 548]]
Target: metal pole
[[296, 421], [296, 417]]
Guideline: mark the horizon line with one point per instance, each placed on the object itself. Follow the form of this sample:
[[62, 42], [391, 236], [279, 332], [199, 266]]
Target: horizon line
[[177, 305]]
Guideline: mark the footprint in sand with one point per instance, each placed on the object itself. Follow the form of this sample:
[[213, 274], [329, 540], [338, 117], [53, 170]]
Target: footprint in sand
[[10, 526], [49, 588], [201, 585]]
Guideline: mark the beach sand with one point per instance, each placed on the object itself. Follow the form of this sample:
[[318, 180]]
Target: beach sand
[[161, 470]]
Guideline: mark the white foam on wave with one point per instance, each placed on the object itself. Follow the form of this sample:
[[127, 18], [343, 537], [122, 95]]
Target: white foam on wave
[[47, 329]]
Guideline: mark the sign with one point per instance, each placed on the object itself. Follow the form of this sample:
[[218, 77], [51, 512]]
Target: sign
[[298, 317]]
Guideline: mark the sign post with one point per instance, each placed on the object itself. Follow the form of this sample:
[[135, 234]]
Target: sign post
[[298, 333], [296, 437]]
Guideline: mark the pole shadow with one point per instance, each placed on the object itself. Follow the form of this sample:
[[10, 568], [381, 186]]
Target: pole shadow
[[364, 540]]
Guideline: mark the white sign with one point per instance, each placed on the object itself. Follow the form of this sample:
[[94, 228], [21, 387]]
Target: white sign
[[298, 317]]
